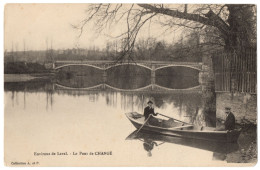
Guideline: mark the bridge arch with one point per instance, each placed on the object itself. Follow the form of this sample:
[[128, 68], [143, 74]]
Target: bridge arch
[[105, 65], [101, 68], [137, 89], [198, 87], [181, 65], [134, 64], [145, 88], [102, 85], [75, 88], [87, 65]]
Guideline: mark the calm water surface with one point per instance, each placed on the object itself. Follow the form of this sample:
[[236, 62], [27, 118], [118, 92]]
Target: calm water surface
[[40, 118]]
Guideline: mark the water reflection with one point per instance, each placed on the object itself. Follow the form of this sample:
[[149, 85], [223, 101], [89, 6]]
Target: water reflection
[[39, 103], [186, 106], [36, 98], [128, 77], [150, 141], [148, 146], [177, 77], [79, 76]]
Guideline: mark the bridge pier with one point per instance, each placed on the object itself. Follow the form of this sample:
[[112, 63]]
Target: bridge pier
[[202, 74], [104, 76], [53, 87], [153, 76], [103, 86], [53, 65]]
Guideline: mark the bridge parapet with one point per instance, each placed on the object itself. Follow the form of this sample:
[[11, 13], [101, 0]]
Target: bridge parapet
[[151, 65]]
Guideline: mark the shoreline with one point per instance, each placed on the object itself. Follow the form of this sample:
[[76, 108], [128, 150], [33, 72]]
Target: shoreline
[[8, 78]]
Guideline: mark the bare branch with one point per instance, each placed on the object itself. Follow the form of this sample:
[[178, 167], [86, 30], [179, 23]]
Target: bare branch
[[210, 18]]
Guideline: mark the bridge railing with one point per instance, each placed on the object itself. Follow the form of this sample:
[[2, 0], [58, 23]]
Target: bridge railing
[[103, 65], [138, 61]]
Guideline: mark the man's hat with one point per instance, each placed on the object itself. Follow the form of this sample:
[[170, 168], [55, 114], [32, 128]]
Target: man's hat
[[149, 102], [227, 108]]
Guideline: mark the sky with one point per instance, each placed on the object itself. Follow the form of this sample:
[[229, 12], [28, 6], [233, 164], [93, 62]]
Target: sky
[[36, 26]]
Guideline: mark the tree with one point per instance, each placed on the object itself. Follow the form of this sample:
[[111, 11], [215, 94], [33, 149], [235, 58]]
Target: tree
[[144, 48], [234, 25]]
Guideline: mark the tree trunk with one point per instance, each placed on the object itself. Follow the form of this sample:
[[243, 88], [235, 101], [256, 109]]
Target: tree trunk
[[241, 32]]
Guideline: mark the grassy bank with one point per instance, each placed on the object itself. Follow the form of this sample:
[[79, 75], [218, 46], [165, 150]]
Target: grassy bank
[[24, 68]]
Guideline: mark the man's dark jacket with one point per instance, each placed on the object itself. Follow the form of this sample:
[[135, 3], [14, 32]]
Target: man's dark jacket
[[148, 111], [230, 122]]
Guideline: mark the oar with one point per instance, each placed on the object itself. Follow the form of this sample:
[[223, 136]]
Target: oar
[[143, 124], [160, 143], [172, 118]]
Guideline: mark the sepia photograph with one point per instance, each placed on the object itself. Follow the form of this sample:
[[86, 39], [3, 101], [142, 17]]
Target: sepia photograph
[[130, 84]]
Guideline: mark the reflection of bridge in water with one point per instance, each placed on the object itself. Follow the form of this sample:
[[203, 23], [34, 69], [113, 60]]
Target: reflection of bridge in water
[[149, 88]]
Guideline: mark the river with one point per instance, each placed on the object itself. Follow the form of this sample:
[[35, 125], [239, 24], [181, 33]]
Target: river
[[63, 115]]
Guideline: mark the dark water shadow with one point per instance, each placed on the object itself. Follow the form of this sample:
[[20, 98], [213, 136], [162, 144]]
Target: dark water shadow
[[79, 76], [128, 77], [80, 81], [155, 140], [177, 77], [35, 85]]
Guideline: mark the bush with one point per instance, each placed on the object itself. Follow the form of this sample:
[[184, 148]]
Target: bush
[[23, 68]]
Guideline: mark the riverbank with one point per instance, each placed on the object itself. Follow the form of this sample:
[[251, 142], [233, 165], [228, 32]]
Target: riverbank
[[247, 141], [247, 152], [25, 77], [24, 68], [243, 106]]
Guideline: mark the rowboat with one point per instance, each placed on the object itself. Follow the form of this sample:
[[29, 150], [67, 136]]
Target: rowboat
[[185, 130], [213, 146]]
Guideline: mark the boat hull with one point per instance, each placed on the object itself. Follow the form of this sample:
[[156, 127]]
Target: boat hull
[[220, 136]]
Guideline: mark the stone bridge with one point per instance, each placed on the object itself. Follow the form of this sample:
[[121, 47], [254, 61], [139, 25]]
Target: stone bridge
[[105, 65], [151, 65]]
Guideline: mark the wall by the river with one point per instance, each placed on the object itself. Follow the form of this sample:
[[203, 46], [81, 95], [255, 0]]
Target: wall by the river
[[243, 106]]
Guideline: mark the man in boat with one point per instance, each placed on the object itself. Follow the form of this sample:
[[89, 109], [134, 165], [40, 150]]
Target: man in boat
[[229, 123], [149, 111], [230, 119]]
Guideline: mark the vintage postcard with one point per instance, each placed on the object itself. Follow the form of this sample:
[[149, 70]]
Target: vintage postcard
[[130, 85]]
